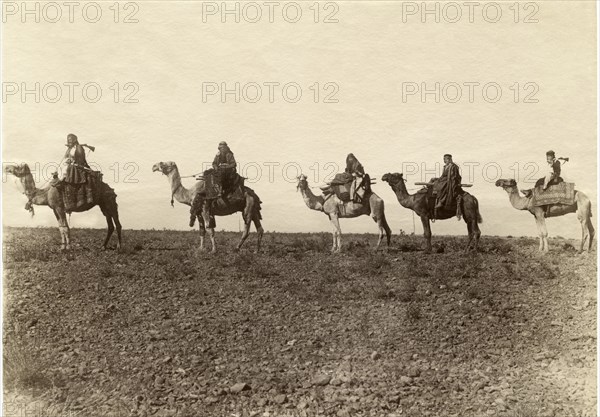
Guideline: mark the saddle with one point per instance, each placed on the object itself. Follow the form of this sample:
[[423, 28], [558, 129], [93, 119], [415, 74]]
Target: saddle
[[82, 194], [431, 190], [348, 188], [232, 185], [558, 193]]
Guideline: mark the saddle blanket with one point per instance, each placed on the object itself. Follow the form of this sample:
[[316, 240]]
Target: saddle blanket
[[79, 196], [561, 193]]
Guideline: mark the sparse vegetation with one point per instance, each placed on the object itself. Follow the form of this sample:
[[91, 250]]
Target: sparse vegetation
[[162, 329]]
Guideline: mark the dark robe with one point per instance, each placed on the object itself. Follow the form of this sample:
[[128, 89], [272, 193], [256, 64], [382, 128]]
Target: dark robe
[[448, 186], [224, 158], [353, 166], [76, 173], [224, 175]]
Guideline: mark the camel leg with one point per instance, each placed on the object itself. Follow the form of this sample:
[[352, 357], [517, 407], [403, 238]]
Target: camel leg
[[60, 230], [384, 228], [247, 216], [337, 234], [381, 233], [119, 227], [591, 232], [211, 236], [426, 233], [63, 228], [476, 234], [587, 229], [245, 234], [111, 228], [202, 230], [542, 230], [470, 231], [211, 230], [259, 231]]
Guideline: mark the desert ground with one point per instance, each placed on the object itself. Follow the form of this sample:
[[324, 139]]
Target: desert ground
[[159, 329]]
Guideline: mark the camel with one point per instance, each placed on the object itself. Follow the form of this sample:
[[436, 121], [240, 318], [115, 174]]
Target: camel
[[337, 209], [249, 207], [52, 197], [582, 206], [420, 204]]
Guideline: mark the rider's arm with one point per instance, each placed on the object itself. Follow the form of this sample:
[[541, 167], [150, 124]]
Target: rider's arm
[[230, 161]]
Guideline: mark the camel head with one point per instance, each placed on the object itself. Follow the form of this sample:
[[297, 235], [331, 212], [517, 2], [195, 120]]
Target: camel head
[[18, 170], [392, 179], [165, 167], [507, 184], [302, 182]]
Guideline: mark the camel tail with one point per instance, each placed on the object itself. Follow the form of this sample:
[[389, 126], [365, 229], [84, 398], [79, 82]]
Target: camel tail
[[476, 207], [258, 206], [479, 218], [110, 198]]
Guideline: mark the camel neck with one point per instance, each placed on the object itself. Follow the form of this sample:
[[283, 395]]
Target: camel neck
[[404, 198], [517, 201], [178, 191], [36, 195], [312, 201]]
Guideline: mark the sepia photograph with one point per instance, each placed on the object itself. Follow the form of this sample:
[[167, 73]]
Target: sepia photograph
[[309, 208]]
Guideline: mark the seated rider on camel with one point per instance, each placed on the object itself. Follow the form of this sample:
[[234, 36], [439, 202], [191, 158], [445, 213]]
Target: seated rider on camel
[[447, 188], [553, 174], [225, 168], [75, 163], [356, 170], [220, 181], [552, 177]]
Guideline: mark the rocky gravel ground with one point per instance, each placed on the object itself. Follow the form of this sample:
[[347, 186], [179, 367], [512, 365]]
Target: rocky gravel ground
[[159, 329]]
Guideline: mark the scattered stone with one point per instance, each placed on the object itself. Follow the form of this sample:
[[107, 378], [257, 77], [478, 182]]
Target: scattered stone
[[261, 402], [280, 399], [336, 382], [321, 380], [239, 387], [405, 380]]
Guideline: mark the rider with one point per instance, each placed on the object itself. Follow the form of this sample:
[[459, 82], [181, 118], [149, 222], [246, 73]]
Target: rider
[[553, 174], [225, 167], [75, 163], [448, 185], [354, 168]]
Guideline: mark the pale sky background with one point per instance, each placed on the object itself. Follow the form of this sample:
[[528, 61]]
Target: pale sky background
[[369, 53]]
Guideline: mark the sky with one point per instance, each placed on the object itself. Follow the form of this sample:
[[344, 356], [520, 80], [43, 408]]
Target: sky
[[383, 80]]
